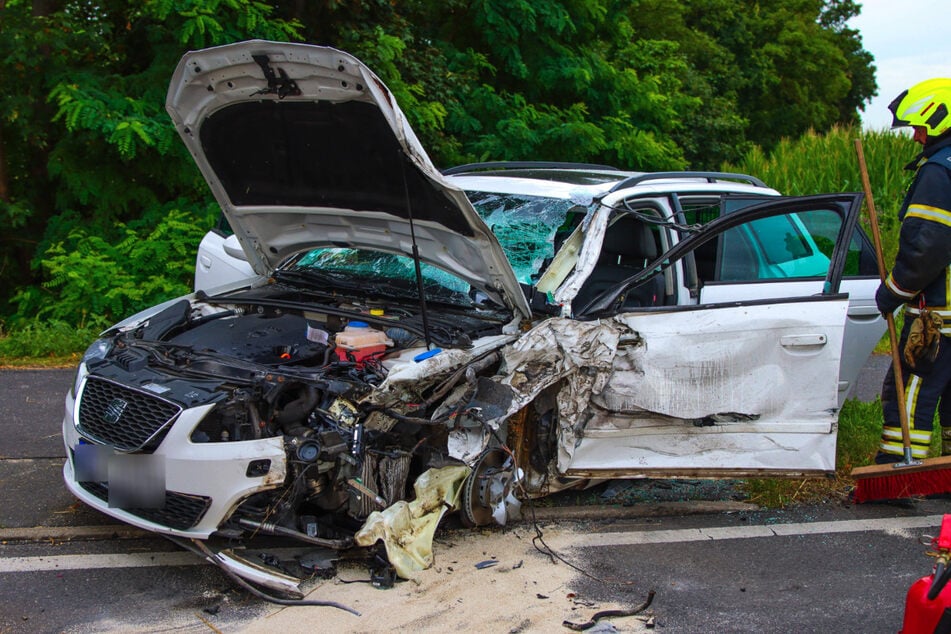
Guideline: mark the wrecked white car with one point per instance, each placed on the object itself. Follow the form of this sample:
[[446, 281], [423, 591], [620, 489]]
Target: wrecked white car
[[387, 364]]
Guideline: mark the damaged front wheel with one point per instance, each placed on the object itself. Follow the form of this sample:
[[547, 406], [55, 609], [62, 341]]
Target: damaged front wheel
[[488, 495]]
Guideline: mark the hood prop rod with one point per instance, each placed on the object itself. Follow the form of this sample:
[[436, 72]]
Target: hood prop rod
[[412, 236]]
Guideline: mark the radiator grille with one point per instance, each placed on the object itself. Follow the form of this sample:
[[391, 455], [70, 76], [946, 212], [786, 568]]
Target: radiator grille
[[124, 418]]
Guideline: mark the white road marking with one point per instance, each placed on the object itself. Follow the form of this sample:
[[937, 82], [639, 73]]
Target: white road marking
[[87, 562], [908, 527], [891, 525]]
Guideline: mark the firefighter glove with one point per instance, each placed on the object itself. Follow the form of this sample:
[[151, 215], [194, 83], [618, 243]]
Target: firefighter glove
[[886, 301], [923, 339]]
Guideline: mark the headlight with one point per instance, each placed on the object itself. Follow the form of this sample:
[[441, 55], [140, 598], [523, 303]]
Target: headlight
[[97, 350]]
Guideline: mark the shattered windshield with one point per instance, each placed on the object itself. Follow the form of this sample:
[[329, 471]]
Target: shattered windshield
[[529, 228], [368, 271]]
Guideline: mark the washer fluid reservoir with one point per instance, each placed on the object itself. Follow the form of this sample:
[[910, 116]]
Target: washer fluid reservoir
[[359, 341]]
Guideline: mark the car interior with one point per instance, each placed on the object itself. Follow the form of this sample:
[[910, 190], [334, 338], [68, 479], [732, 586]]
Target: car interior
[[629, 246]]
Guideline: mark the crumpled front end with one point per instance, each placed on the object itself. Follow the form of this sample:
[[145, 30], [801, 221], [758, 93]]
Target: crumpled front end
[[180, 487], [234, 419]]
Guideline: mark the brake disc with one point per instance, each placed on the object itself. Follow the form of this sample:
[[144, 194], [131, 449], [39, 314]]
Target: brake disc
[[488, 493]]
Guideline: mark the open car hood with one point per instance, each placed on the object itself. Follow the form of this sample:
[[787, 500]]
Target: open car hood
[[303, 147]]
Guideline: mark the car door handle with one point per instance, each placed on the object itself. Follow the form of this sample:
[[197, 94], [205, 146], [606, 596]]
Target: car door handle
[[205, 261], [863, 313], [803, 341]]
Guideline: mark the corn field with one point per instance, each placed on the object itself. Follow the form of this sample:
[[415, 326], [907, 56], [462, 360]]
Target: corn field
[[825, 163]]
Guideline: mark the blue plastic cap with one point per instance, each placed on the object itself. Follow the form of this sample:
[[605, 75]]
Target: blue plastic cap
[[422, 356], [358, 324]]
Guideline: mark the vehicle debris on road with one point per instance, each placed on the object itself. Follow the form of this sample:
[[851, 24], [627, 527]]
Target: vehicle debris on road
[[604, 614]]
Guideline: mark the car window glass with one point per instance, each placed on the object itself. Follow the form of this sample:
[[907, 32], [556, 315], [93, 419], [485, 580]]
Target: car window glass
[[769, 244], [699, 211], [861, 260], [385, 273], [529, 228], [223, 227], [793, 245]]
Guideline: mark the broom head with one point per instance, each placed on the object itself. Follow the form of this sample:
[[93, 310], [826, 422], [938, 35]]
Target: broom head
[[891, 482]]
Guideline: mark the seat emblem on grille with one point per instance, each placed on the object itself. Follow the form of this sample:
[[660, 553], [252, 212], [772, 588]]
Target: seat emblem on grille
[[114, 411]]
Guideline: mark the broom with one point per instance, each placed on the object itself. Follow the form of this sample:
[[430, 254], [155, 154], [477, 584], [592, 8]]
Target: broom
[[908, 477]]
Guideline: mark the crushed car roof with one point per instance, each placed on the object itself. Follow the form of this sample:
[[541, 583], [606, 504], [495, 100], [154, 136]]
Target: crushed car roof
[[303, 147]]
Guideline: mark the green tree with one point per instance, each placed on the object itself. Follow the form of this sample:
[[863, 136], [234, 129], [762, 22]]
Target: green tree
[[762, 71], [792, 64], [83, 129], [554, 80]]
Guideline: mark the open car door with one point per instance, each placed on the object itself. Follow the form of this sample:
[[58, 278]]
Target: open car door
[[742, 388], [793, 247]]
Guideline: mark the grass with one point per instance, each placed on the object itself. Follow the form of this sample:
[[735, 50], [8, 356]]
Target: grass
[[860, 427], [53, 362], [45, 344]]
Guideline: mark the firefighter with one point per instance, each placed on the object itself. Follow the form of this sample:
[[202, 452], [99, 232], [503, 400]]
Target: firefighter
[[920, 278]]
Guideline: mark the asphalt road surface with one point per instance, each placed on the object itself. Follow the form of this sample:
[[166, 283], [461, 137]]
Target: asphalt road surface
[[831, 568]]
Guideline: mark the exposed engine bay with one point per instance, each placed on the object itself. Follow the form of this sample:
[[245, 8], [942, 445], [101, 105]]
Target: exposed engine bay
[[265, 370]]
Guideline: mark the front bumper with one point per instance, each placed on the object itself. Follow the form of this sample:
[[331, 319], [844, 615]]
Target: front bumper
[[203, 482]]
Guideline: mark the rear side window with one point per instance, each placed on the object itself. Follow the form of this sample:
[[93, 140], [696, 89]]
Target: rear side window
[[222, 227], [861, 261]]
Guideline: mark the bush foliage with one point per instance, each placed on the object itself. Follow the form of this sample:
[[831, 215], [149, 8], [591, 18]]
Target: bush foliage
[[48, 339], [92, 280]]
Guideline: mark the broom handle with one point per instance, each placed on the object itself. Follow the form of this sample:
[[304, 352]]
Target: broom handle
[[890, 318]]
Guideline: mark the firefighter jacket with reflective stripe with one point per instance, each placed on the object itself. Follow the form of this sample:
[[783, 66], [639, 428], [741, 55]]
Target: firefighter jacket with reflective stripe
[[924, 246]]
